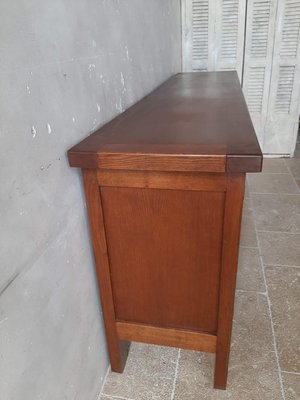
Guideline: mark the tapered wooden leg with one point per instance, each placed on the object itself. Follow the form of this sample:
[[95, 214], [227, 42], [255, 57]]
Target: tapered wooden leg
[[231, 237], [118, 349]]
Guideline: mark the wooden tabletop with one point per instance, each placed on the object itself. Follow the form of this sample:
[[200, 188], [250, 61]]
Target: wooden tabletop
[[192, 122]]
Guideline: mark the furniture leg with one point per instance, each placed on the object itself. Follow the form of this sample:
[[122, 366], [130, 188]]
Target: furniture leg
[[231, 237], [118, 350]]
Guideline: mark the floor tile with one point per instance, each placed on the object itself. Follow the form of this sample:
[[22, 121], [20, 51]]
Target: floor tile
[[294, 166], [252, 369], [103, 397], [298, 183], [248, 235], [272, 183], [279, 248], [291, 385], [148, 375], [297, 150], [297, 153], [274, 165], [277, 212], [250, 275], [284, 292]]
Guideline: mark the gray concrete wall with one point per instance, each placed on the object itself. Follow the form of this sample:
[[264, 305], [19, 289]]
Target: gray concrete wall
[[66, 67]]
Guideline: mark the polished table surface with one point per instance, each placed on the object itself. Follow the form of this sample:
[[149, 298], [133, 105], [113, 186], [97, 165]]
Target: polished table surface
[[194, 117]]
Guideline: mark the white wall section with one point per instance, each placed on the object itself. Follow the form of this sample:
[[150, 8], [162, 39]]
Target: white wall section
[[67, 67]]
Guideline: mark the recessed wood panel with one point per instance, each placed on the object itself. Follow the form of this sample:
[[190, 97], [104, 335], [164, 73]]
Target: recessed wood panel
[[164, 249]]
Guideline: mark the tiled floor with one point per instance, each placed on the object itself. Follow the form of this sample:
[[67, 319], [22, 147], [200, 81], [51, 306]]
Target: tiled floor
[[265, 353]]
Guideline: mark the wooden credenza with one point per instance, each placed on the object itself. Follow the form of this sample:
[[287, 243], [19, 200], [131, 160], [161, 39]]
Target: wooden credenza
[[164, 184]]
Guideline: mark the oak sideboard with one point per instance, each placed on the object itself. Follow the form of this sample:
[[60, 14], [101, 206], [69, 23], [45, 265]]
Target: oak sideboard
[[164, 185]]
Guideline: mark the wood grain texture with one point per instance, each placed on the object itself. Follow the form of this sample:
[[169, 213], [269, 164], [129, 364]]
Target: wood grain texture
[[167, 337], [118, 350], [163, 180], [165, 250], [193, 122], [162, 162], [231, 237]]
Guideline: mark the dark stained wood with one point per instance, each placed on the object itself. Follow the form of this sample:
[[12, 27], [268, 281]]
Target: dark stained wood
[[164, 184], [241, 164], [163, 180], [231, 238], [118, 350], [193, 122], [167, 337], [164, 250]]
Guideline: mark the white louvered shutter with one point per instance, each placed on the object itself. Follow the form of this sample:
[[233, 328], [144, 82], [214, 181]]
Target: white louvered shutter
[[213, 34], [198, 34], [284, 100], [258, 60], [229, 35]]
